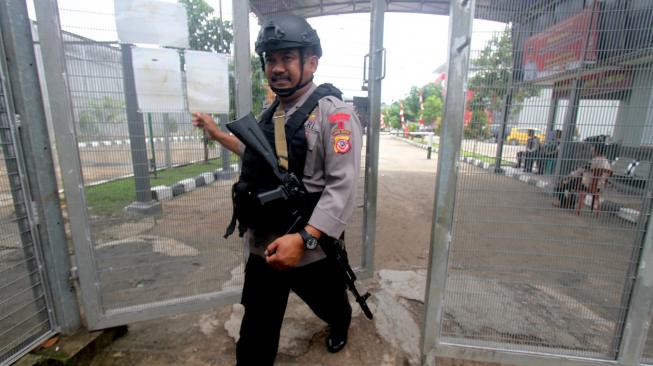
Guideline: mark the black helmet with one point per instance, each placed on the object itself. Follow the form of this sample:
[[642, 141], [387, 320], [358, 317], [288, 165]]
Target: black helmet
[[287, 31]]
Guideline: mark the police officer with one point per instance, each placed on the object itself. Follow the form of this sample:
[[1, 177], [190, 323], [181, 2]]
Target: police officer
[[325, 152]]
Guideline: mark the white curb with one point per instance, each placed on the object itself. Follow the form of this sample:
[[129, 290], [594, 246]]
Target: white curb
[[189, 184], [163, 192]]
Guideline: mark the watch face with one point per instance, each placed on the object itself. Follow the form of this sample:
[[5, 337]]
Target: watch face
[[311, 243]]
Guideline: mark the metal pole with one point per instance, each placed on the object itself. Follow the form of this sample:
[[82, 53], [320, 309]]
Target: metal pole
[[241, 58], [242, 64], [461, 15], [375, 72], [149, 126], [551, 117], [205, 143], [166, 140], [507, 101], [221, 28], [564, 161], [144, 203], [638, 258], [28, 103], [507, 104], [640, 306], [225, 154]]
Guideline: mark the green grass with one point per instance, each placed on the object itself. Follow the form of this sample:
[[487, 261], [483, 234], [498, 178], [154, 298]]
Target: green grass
[[485, 158], [112, 197], [470, 154]]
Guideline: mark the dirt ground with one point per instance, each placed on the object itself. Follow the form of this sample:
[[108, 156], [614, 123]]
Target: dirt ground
[[506, 232], [132, 269]]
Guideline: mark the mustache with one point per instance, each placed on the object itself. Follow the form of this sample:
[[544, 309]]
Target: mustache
[[279, 77]]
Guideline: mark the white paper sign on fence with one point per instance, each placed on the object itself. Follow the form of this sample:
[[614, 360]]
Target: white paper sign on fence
[[157, 73], [207, 80], [151, 22]]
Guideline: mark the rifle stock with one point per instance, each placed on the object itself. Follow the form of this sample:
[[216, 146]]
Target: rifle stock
[[249, 133]]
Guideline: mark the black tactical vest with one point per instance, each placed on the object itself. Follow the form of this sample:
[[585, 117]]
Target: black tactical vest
[[257, 177]]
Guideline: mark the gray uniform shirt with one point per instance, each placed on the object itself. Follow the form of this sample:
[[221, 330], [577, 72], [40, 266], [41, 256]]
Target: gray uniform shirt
[[333, 162]]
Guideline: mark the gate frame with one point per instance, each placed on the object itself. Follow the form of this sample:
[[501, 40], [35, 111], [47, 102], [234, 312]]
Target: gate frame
[[34, 144], [61, 107], [16, 146], [640, 308]]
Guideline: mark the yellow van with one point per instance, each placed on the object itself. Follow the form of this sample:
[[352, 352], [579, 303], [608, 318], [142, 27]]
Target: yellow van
[[519, 136]]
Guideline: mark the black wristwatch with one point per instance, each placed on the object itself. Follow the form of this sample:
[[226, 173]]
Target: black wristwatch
[[310, 242]]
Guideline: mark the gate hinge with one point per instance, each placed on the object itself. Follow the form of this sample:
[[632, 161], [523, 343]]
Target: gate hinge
[[17, 121]]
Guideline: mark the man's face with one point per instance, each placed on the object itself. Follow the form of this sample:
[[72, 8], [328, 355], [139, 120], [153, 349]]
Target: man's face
[[283, 68]]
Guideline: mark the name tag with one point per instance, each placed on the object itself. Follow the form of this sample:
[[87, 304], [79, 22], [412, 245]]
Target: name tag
[[311, 138]]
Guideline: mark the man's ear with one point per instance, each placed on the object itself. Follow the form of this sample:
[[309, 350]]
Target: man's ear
[[313, 62]]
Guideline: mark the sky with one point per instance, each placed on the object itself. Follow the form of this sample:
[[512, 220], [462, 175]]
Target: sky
[[416, 44]]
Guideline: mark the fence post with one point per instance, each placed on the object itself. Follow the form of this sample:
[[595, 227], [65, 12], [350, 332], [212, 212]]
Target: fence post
[[640, 308], [166, 140], [461, 15], [144, 203], [430, 148], [241, 58], [225, 154], [375, 72], [28, 103]]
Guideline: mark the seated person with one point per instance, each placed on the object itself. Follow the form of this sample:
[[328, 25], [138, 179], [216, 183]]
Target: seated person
[[597, 171], [528, 155]]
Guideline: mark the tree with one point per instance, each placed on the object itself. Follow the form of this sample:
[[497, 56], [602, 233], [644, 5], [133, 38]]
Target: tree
[[411, 105], [477, 127], [433, 111], [206, 32], [103, 111], [433, 103], [391, 115], [491, 73]]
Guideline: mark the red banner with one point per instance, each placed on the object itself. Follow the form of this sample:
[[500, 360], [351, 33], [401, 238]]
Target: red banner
[[560, 47]]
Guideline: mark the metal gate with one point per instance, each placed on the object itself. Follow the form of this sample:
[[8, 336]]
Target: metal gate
[[542, 234], [148, 198], [26, 316]]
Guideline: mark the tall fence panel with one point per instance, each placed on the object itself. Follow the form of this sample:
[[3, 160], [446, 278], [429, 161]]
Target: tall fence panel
[[552, 203], [25, 315], [156, 193]]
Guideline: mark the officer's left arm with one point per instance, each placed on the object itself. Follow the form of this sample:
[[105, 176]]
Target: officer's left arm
[[342, 141]]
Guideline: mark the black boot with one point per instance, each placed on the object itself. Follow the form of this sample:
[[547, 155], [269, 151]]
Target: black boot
[[336, 341]]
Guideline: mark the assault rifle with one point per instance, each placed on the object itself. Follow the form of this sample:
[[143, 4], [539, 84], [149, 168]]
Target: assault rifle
[[247, 130]]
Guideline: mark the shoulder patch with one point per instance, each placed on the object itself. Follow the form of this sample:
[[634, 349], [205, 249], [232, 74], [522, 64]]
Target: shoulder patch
[[341, 143], [339, 118]]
